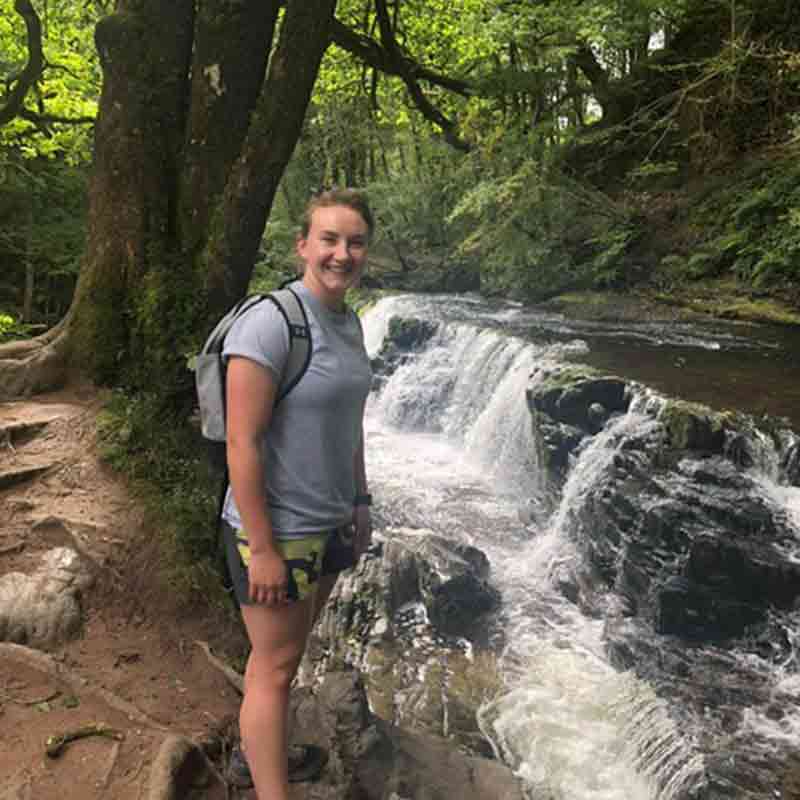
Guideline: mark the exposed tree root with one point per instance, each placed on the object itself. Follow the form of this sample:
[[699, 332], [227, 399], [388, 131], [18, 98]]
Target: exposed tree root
[[77, 684], [34, 365], [230, 674], [112, 762]]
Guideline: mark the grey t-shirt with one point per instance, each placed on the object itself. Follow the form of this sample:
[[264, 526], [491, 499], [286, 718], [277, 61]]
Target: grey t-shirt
[[310, 445]]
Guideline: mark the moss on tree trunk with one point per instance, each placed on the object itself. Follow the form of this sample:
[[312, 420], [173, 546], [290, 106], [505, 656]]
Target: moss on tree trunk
[[191, 142]]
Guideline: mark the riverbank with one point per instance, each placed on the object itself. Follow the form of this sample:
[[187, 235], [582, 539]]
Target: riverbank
[[703, 301]]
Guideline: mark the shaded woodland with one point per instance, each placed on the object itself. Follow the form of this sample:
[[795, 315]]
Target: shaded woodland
[[156, 158], [525, 149]]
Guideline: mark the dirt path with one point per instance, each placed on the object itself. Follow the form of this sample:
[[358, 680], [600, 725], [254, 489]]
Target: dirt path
[[135, 669]]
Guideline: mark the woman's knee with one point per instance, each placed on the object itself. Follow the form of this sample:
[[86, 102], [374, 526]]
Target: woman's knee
[[271, 671]]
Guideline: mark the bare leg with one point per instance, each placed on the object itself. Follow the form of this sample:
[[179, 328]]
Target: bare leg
[[278, 637]]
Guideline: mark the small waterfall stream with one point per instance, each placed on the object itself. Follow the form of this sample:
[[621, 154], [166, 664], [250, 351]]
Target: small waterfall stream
[[452, 448]]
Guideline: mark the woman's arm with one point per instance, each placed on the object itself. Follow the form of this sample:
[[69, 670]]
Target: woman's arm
[[250, 396]]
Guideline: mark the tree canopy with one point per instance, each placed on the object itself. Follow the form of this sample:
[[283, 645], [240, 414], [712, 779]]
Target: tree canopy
[[51, 77], [511, 145]]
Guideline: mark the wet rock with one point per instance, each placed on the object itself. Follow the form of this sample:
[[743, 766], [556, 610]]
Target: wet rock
[[374, 760], [569, 404], [693, 545], [597, 414], [749, 571], [403, 337], [791, 779], [405, 616], [685, 556], [739, 451], [559, 442], [410, 334], [691, 426], [697, 611], [448, 579], [577, 397], [790, 463]]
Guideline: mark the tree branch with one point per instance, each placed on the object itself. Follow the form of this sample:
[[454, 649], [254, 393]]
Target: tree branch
[[33, 69], [372, 53], [388, 57], [46, 119]]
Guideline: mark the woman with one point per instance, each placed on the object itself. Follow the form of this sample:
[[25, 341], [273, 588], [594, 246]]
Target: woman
[[298, 509]]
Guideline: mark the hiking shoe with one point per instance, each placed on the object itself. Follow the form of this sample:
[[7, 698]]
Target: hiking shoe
[[306, 762], [238, 773]]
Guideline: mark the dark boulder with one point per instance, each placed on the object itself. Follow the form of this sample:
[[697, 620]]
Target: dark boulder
[[691, 426], [790, 463], [410, 334], [408, 610], [403, 337], [372, 759], [568, 404], [578, 399]]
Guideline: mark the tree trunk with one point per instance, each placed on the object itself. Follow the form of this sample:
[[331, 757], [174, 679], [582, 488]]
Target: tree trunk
[[128, 293], [274, 129], [192, 137]]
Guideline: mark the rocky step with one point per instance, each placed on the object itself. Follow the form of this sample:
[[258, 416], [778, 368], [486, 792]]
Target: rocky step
[[16, 434], [23, 473], [20, 424], [22, 420]]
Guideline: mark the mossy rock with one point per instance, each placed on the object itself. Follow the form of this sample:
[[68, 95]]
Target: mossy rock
[[692, 426], [579, 396], [567, 376], [409, 334]]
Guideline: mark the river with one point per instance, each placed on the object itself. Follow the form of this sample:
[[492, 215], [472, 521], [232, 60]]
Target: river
[[451, 448]]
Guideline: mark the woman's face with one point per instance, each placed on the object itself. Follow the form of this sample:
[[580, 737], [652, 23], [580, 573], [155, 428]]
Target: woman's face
[[334, 252]]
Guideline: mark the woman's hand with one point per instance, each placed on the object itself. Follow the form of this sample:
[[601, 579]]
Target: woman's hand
[[362, 522], [268, 578]]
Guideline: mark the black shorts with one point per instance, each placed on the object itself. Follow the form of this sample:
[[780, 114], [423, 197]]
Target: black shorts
[[307, 559]]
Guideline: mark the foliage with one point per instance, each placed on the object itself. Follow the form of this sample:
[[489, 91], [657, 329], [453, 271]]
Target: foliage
[[44, 155], [11, 328], [42, 229], [162, 455], [753, 226], [537, 232], [68, 88]]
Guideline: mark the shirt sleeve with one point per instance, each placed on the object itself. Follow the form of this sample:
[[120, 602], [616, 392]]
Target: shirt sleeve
[[261, 335]]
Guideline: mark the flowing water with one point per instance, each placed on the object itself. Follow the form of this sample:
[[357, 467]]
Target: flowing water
[[451, 447]]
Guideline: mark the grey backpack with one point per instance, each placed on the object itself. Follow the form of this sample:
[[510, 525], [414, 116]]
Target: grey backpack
[[209, 374]]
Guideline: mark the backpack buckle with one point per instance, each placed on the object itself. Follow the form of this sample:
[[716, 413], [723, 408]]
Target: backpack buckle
[[298, 331]]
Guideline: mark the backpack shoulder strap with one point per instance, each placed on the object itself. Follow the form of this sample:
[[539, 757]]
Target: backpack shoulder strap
[[215, 340], [291, 307]]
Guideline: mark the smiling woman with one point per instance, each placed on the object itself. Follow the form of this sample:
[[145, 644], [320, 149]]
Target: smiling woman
[[297, 512], [333, 244]]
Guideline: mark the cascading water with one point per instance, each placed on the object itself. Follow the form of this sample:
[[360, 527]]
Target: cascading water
[[452, 449]]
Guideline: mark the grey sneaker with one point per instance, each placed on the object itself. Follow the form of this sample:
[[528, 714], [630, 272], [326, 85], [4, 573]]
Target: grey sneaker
[[306, 762], [238, 773]]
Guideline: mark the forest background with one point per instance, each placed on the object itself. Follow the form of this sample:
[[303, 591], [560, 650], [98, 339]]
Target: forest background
[[154, 164]]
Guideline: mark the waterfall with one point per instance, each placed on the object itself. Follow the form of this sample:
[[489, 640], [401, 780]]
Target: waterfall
[[571, 722], [452, 448]]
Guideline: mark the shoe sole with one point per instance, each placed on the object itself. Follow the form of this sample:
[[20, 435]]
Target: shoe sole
[[309, 769]]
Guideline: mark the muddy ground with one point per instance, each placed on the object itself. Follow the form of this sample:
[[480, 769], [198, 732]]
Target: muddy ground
[[135, 670]]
